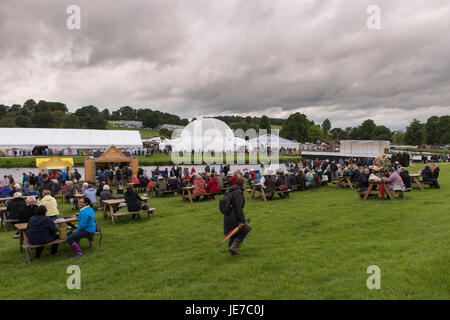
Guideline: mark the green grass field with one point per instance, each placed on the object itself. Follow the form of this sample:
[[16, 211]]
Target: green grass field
[[315, 245], [145, 134]]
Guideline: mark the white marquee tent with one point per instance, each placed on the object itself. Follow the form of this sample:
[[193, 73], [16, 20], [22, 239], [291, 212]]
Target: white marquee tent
[[28, 138], [271, 141], [205, 135]]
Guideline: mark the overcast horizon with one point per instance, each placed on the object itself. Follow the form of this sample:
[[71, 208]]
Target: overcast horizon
[[249, 57]]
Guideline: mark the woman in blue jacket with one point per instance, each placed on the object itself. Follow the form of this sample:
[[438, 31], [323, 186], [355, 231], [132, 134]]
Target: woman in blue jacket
[[86, 226]]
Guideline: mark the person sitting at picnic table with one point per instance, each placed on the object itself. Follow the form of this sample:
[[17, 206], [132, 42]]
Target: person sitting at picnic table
[[107, 194], [135, 180], [151, 184], [173, 184], [161, 185], [394, 181], [26, 213], [133, 200], [280, 183], [5, 191], [354, 177], [427, 175], [41, 230], [68, 193], [220, 179], [50, 203], [91, 193], [100, 188], [213, 185], [363, 182], [86, 226], [404, 174], [15, 205], [309, 178], [435, 171], [199, 187], [269, 185]]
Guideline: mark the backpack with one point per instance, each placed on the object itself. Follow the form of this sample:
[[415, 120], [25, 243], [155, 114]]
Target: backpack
[[226, 203]]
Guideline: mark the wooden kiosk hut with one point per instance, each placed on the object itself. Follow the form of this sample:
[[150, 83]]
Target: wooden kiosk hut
[[112, 157]]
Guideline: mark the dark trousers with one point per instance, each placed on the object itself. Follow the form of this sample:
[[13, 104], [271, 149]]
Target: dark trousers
[[77, 236], [53, 249], [435, 183], [240, 235]]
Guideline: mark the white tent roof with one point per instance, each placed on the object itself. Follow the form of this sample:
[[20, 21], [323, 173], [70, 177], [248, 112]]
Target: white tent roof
[[267, 140], [28, 138]]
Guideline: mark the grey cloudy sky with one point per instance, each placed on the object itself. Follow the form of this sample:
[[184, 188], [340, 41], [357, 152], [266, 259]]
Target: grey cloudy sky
[[221, 57]]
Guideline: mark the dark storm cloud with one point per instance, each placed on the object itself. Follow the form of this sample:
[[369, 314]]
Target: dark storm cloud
[[220, 57]]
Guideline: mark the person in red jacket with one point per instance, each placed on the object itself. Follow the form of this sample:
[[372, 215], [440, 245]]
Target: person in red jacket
[[213, 185], [233, 179]]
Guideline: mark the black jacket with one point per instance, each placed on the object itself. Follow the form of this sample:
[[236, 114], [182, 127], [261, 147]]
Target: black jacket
[[436, 173], [269, 185], [406, 179], [427, 175], [355, 175], [363, 180], [14, 207], [230, 221], [107, 195], [26, 213], [133, 201], [41, 230], [47, 185]]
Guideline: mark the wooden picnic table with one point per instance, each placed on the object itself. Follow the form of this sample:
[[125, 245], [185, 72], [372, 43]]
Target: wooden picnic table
[[3, 200], [62, 226], [371, 190], [415, 180], [345, 181], [257, 187], [187, 193], [109, 206]]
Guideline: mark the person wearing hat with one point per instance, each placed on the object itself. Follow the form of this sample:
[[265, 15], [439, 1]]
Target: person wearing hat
[[107, 194], [46, 184]]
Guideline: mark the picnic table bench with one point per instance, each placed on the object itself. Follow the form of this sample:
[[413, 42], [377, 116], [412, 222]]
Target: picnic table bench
[[372, 190], [111, 206], [345, 181], [187, 193], [117, 215], [5, 221], [258, 188], [415, 180], [63, 225]]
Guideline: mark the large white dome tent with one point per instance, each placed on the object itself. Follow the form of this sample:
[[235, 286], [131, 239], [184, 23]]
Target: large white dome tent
[[206, 135]]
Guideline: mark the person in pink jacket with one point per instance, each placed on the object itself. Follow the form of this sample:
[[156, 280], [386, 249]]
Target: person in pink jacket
[[395, 181], [200, 186]]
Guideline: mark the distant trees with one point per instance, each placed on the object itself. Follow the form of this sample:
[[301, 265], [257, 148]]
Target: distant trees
[[415, 133], [45, 114]]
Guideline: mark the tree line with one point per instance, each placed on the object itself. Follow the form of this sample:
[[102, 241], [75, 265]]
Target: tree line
[[45, 114], [436, 131]]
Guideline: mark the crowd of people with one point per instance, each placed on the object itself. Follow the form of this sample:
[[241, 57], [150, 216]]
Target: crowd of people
[[34, 201]]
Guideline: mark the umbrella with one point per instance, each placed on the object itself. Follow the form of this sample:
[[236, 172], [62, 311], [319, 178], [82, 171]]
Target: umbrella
[[233, 232]]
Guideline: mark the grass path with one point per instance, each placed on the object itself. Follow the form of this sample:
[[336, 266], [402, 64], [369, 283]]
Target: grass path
[[315, 245]]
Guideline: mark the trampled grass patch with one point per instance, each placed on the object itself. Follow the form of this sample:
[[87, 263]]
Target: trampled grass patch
[[315, 245]]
